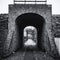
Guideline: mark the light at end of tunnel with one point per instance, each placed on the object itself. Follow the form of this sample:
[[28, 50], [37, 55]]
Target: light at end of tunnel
[[29, 42]]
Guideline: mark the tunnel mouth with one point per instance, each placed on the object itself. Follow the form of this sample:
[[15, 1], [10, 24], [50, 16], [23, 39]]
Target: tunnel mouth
[[30, 19], [30, 37]]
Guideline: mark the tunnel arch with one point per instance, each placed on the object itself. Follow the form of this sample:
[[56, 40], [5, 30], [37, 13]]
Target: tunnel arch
[[30, 19], [30, 37]]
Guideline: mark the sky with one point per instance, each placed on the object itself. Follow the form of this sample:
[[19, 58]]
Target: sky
[[4, 6]]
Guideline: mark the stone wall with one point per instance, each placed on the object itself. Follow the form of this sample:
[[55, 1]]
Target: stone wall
[[42, 10], [8, 27], [56, 31], [3, 31], [56, 25]]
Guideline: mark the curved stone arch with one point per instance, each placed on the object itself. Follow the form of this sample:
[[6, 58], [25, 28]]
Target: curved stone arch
[[39, 19], [17, 21]]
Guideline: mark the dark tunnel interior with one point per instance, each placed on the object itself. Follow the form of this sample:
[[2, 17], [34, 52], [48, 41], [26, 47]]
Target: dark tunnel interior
[[30, 19]]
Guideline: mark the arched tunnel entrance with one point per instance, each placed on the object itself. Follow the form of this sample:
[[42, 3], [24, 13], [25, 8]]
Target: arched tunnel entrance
[[30, 37], [30, 19]]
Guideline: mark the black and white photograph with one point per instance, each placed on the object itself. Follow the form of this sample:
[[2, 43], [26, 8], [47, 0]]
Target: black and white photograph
[[29, 29]]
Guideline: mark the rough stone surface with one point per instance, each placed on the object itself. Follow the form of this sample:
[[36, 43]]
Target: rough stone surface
[[8, 30], [56, 25], [3, 31], [42, 10], [29, 55]]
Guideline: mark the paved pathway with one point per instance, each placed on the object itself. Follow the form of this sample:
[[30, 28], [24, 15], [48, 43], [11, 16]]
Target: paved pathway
[[42, 56], [16, 56], [29, 55]]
